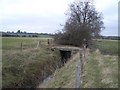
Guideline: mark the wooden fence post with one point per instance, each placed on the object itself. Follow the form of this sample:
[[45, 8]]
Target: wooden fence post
[[39, 42], [81, 59], [21, 46], [79, 69], [77, 81], [51, 41], [48, 41]]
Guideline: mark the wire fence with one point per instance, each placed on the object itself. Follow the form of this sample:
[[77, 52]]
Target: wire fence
[[79, 67], [36, 44]]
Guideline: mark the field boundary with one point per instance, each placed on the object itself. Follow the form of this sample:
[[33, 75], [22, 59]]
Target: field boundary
[[79, 68]]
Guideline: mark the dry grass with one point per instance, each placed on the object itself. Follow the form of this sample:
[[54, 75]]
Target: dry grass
[[25, 68], [65, 76], [100, 71]]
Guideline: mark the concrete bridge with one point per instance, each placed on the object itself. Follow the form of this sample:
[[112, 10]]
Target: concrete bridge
[[65, 52], [66, 48]]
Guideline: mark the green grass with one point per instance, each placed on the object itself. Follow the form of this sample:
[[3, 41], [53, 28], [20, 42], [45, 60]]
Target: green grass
[[100, 71], [106, 46], [10, 41], [0, 43], [21, 69], [65, 76], [46, 36], [15, 42], [28, 67]]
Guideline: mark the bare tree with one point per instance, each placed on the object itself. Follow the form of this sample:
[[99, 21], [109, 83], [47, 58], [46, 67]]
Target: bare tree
[[84, 22]]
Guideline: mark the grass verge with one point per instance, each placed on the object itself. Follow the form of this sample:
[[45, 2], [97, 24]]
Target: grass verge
[[106, 46], [65, 76], [100, 71]]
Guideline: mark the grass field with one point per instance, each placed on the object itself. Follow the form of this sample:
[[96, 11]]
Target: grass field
[[106, 46], [15, 42], [100, 71], [28, 67]]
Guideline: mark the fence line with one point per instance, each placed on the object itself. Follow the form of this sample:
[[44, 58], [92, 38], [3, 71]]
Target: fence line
[[79, 67], [77, 81], [37, 44]]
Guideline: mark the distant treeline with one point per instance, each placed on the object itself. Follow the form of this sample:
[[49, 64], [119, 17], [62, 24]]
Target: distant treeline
[[23, 34], [111, 37]]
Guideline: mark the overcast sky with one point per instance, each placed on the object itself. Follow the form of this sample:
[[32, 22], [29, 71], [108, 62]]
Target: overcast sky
[[46, 15]]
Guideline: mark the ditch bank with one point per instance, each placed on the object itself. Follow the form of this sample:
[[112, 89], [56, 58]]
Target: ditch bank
[[63, 77], [26, 69], [65, 56], [29, 68]]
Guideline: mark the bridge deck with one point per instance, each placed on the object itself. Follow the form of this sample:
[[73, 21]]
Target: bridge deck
[[66, 48]]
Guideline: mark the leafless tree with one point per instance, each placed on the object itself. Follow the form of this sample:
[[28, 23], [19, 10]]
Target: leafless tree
[[83, 22]]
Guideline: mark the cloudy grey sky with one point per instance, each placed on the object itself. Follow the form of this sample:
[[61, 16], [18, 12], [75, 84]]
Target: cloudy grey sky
[[46, 15]]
